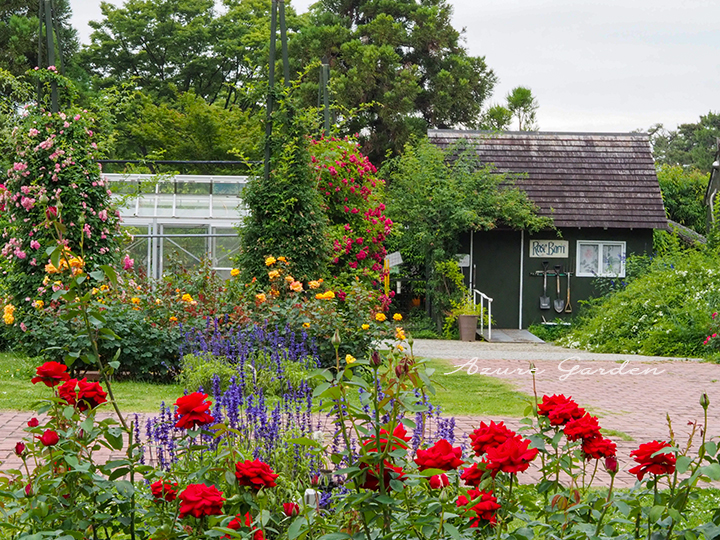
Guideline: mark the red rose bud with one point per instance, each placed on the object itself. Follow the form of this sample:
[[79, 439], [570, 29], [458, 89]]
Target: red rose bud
[[20, 449], [51, 212], [315, 480], [439, 481], [49, 438], [291, 509], [33, 422], [704, 401], [28, 490], [375, 359], [611, 464]]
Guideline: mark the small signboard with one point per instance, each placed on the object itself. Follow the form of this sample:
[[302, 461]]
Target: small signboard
[[463, 260], [549, 249], [394, 259]]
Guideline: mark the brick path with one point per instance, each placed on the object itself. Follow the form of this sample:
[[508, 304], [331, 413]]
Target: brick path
[[634, 404]]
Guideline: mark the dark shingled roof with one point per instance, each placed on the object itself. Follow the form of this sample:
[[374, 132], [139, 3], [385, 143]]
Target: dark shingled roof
[[578, 179]]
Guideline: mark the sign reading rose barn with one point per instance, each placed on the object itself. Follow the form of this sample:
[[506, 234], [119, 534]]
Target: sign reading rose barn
[[549, 249]]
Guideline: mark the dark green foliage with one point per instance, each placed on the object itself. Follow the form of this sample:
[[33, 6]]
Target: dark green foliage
[[691, 145], [19, 35], [148, 351], [683, 192], [285, 214], [404, 58]]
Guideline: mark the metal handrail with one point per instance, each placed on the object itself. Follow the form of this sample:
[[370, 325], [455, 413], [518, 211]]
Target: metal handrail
[[483, 298]]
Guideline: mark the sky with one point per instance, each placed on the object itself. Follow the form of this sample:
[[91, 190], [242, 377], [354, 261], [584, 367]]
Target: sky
[[593, 65]]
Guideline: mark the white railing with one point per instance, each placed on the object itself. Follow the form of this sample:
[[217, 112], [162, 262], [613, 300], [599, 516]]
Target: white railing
[[483, 298]]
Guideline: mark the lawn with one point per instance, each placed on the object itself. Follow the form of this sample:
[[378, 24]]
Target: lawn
[[16, 391], [457, 394]]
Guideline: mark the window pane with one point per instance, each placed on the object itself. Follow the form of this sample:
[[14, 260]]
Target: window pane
[[183, 251], [225, 247], [588, 259], [612, 260]]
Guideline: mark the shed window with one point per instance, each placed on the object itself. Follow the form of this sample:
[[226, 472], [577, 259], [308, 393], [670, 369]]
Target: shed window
[[600, 259]]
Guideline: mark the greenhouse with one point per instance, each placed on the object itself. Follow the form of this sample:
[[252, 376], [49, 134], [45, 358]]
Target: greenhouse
[[177, 221]]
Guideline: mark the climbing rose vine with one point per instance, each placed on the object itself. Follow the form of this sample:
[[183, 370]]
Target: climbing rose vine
[[53, 178]]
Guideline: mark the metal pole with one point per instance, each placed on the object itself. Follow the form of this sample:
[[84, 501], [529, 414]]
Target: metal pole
[[271, 88], [284, 42], [39, 60], [51, 52], [56, 27], [326, 95]]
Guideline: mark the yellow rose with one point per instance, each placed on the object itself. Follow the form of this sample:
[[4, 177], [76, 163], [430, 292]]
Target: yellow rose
[[329, 295], [306, 325], [365, 326], [296, 286], [313, 284], [187, 298], [349, 358], [38, 304], [135, 300], [273, 274], [104, 287], [289, 279], [158, 301], [282, 259], [400, 334], [260, 297], [380, 317], [270, 261], [235, 272], [397, 317], [173, 319]]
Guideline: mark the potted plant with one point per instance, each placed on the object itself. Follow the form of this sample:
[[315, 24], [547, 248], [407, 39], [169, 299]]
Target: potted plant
[[466, 313]]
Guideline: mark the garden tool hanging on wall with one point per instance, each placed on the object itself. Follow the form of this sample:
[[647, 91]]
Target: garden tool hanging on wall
[[545, 299], [559, 303], [568, 306]]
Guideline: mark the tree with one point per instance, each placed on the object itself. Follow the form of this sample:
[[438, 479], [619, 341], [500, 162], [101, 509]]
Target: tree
[[170, 47], [403, 58], [523, 106], [683, 192], [690, 145]]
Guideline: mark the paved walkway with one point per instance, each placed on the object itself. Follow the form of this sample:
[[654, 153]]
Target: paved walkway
[[630, 394]]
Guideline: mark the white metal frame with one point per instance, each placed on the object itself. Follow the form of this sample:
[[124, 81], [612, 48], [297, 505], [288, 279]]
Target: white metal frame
[[484, 298]]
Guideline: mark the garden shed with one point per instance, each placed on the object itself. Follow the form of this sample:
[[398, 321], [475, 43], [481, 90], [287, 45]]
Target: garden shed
[[601, 191]]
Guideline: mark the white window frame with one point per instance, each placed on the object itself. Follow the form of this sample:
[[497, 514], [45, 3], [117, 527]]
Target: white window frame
[[600, 244]]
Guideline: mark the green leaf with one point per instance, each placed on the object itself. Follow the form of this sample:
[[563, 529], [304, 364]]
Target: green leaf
[[296, 527], [452, 531], [125, 488], [682, 464], [712, 471], [110, 273], [97, 275], [305, 441], [656, 513]]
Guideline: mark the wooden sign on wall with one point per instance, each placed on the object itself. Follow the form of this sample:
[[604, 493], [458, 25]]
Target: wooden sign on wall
[[549, 249]]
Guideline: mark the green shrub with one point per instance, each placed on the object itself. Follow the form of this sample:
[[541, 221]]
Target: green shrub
[[550, 332], [199, 370], [665, 312]]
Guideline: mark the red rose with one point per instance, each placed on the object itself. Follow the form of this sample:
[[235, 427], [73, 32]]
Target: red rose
[[439, 481], [559, 409], [490, 436], [484, 510], [398, 439], [84, 394], [49, 438], [240, 521], [200, 500], [164, 491], [33, 422], [255, 474], [586, 427], [611, 464], [192, 411], [20, 449], [51, 374], [372, 480], [598, 447], [51, 212], [473, 474], [441, 455], [291, 509], [512, 456], [660, 464]]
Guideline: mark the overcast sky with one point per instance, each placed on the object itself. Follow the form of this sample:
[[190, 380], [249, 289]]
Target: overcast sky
[[594, 65]]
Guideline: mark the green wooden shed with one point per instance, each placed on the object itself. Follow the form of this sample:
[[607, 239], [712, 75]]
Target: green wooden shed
[[601, 191]]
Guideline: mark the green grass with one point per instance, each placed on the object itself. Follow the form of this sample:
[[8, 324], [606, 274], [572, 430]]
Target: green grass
[[616, 434], [17, 393], [461, 394]]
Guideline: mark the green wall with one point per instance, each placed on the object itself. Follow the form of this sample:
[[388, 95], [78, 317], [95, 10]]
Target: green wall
[[497, 259]]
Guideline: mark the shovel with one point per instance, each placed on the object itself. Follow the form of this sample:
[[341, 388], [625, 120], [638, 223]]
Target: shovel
[[559, 303], [545, 299], [568, 306]]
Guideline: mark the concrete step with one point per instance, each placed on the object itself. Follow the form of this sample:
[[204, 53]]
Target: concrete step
[[509, 335]]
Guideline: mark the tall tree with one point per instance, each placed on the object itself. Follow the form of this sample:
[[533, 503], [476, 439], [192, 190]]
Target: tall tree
[[403, 58], [690, 145], [171, 46], [523, 106]]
